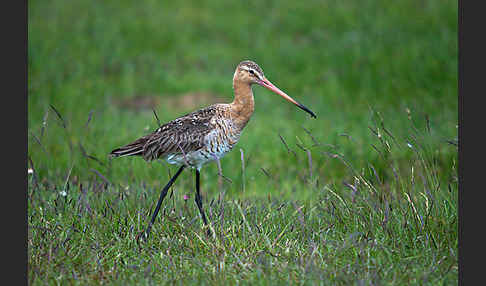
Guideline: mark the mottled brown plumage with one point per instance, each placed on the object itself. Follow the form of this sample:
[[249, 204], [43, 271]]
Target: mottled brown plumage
[[192, 138]]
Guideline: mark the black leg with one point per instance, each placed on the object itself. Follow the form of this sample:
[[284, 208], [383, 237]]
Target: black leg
[[162, 196], [199, 200]]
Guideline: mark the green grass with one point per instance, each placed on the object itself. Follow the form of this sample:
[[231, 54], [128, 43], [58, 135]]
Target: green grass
[[365, 194]]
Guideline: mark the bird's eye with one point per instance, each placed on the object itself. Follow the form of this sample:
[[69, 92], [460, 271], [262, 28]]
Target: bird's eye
[[252, 72]]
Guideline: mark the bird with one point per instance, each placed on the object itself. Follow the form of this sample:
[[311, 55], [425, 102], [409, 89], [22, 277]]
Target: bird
[[205, 135]]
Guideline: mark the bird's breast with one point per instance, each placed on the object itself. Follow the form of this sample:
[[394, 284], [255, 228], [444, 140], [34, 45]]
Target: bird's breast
[[221, 140]]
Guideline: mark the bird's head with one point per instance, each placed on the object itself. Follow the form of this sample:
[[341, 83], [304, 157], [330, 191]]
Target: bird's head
[[250, 73]]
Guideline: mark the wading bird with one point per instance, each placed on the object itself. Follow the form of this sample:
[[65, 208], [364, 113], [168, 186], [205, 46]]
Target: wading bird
[[204, 135]]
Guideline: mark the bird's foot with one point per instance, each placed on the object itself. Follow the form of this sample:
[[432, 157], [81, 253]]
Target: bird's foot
[[143, 235]]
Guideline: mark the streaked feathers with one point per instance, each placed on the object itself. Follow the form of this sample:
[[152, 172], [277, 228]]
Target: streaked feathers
[[188, 139]]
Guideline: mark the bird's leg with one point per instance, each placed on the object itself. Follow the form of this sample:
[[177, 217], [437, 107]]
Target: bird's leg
[[199, 201], [162, 196]]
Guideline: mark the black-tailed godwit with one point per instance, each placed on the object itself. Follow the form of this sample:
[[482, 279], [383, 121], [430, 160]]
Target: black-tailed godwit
[[204, 135]]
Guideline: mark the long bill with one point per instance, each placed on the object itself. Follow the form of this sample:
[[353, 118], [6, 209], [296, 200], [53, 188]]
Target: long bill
[[266, 83]]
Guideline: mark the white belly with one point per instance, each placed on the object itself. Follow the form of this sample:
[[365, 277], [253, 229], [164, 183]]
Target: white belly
[[200, 157], [197, 158]]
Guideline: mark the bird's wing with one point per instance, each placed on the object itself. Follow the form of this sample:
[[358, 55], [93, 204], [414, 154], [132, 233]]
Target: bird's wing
[[181, 135]]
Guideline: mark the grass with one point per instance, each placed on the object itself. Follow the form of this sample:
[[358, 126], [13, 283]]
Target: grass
[[365, 194]]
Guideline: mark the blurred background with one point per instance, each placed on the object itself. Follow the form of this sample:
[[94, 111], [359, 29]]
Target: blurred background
[[97, 71]]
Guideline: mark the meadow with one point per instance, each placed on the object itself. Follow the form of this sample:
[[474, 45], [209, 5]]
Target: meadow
[[366, 194]]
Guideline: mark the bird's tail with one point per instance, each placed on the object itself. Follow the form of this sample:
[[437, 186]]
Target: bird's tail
[[132, 149]]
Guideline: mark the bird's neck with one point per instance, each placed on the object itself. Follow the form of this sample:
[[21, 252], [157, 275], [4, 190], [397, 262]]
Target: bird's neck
[[243, 104]]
